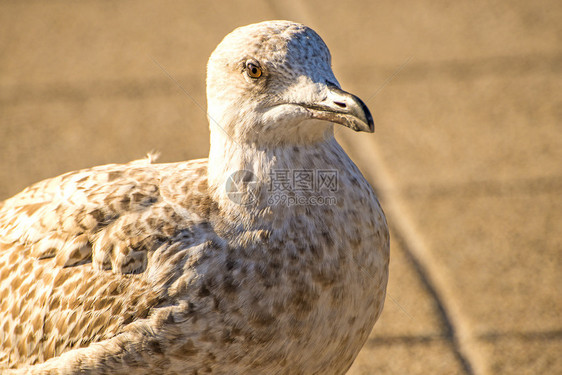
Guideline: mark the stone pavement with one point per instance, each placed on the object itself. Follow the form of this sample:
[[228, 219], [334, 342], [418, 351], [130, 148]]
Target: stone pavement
[[467, 155]]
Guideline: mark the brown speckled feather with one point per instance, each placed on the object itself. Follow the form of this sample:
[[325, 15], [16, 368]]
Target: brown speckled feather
[[56, 236]]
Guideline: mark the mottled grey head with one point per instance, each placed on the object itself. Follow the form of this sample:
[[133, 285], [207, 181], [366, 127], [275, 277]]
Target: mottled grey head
[[267, 81]]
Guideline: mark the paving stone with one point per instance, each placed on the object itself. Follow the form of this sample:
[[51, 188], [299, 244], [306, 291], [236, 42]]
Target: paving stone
[[501, 255], [42, 140], [410, 327], [516, 355], [432, 357], [388, 32], [409, 310], [448, 132], [65, 41]]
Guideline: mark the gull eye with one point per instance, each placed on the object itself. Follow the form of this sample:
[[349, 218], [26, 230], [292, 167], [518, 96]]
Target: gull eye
[[253, 70]]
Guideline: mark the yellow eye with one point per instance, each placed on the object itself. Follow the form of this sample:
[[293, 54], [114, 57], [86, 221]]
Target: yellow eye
[[253, 70]]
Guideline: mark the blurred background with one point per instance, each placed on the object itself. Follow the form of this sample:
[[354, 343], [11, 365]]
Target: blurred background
[[466, 157]]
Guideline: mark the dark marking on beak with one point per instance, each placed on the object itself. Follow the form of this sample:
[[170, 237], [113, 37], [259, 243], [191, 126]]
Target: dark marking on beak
[[343, 108]]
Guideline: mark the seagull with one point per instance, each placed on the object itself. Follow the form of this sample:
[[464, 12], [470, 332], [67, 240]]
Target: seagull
[[268, 257]]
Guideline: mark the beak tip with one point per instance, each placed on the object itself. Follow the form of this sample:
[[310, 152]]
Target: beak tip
[[370, 128], [371, 124]]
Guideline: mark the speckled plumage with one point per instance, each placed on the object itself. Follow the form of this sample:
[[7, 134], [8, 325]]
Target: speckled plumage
[[148, 268]]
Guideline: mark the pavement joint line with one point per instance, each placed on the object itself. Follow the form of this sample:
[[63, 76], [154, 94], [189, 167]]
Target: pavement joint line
[[404, 339], [523, 336], [461, 337], [471, 188], [80, 91], [498, 66], [490, 337]]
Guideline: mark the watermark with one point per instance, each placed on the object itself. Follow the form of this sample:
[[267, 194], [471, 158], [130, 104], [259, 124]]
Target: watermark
[[303, 180], [301, 200], [289, 187], [242, 188]]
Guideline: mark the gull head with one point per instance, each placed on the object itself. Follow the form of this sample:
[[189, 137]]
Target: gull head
[[271, 83]]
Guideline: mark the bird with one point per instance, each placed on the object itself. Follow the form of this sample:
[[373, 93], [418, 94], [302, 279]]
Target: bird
[[268, 257]]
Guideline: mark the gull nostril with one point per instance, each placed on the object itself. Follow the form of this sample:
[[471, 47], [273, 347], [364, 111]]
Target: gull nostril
[[340, 104]]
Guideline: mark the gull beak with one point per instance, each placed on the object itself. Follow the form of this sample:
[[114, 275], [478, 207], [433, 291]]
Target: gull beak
[[343, 108]]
